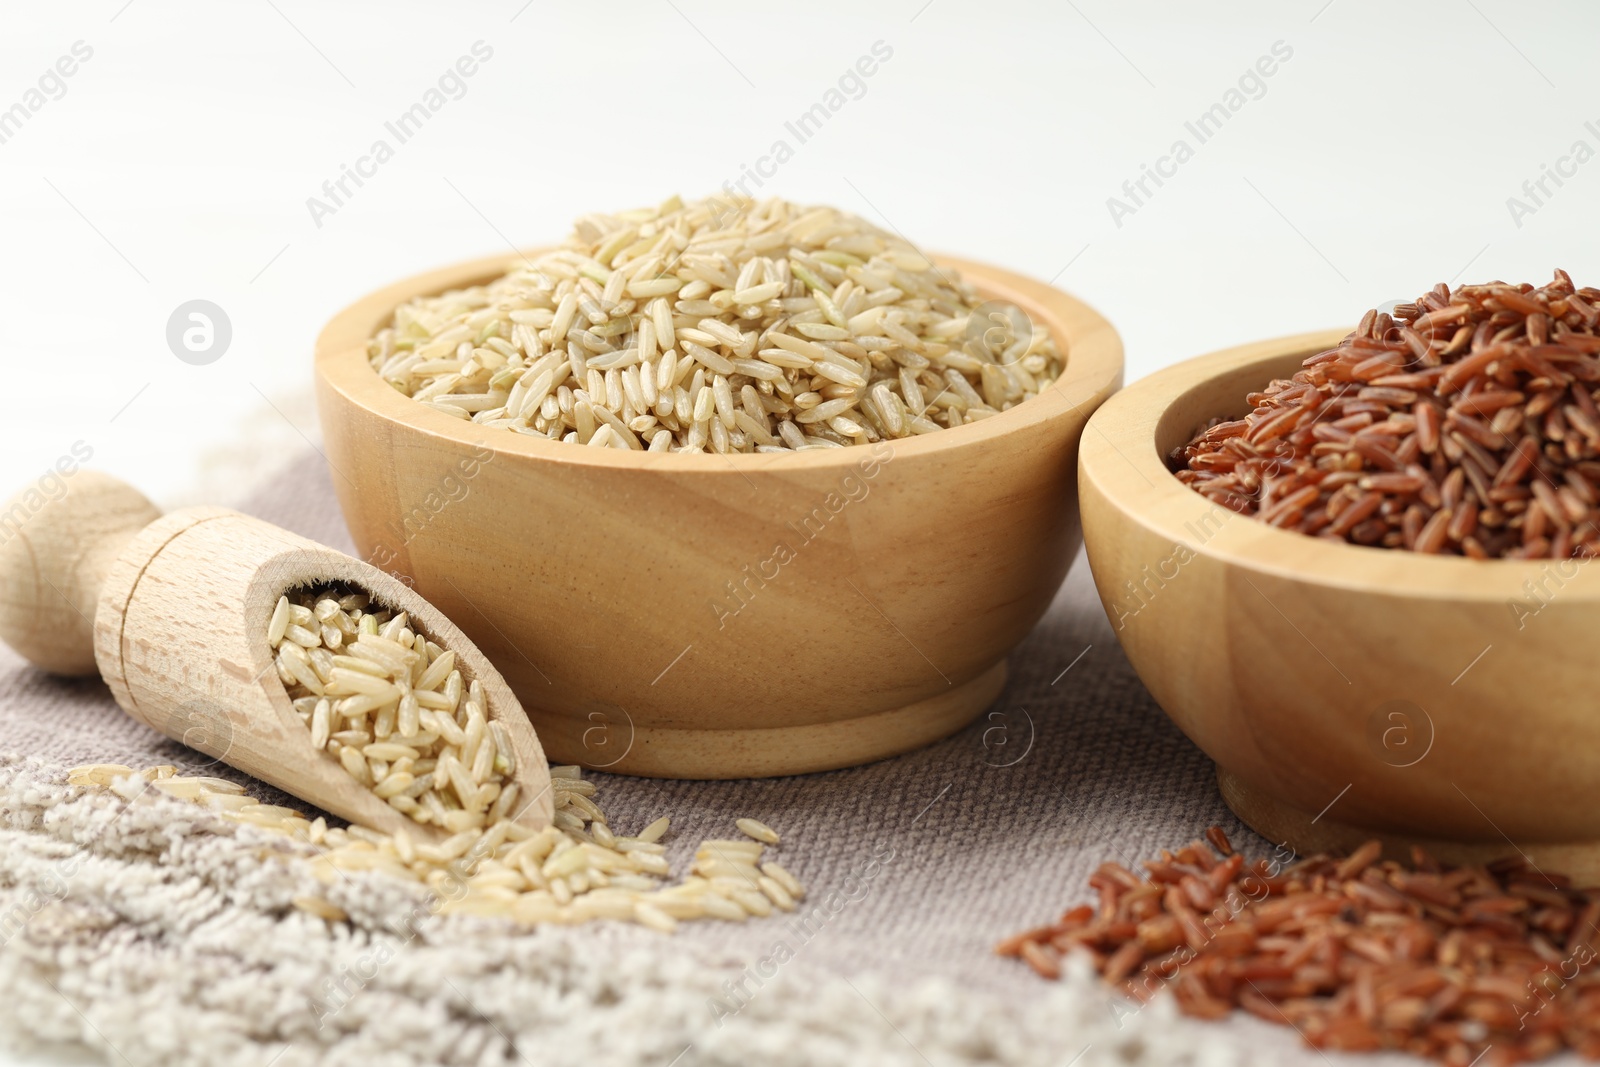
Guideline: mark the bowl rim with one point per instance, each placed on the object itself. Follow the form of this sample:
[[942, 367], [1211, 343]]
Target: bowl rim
[[1093, 371], [1120, 458]]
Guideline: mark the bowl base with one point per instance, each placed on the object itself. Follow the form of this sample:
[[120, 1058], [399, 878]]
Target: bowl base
[[654, 752], [1306, 834]]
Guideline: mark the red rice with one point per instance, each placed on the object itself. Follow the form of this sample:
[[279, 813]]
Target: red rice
[[1466, 423], [1358, 953]]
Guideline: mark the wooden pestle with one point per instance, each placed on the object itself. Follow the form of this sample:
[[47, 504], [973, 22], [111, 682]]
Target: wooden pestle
[[173, 610]]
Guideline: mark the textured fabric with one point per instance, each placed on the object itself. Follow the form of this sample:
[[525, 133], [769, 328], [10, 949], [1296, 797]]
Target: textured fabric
[[158, 933], [990, 831]]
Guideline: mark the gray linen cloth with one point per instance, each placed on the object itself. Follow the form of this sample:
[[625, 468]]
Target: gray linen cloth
[[925, 861]]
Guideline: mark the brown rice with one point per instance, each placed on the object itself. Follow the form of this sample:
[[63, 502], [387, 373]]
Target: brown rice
[[573, 872], [717, 325], [393, 709]]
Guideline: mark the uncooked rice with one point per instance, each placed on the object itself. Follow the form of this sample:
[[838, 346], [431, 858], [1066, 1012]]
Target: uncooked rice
[[575, 871], [1466, 423], [760, 831], [392, 708], [719, 325], [1475, 964]]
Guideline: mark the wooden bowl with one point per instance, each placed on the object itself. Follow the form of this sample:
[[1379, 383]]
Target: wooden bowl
[[716, 617], [1344, 692]]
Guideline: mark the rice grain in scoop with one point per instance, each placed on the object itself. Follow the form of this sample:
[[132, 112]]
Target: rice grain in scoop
[[394, 710]]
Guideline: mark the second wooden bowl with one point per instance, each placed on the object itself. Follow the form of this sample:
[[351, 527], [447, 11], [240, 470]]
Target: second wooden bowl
[[1344, 692], [698, 616]]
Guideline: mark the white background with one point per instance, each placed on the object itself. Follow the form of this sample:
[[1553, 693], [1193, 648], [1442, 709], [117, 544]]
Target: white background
[[178, 164]]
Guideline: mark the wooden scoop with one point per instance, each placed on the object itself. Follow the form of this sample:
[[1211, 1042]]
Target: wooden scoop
[[174, 609]]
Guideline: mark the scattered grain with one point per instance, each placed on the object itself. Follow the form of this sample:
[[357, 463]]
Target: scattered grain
[[1493, 963]]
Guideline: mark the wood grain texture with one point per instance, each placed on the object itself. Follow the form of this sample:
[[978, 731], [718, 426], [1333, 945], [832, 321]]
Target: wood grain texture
[[180, 637], [1382, 692], [724, 616], [54, 554], [1307, 834]]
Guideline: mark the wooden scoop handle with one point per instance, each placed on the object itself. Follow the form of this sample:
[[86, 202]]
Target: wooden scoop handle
[[55, 549]]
